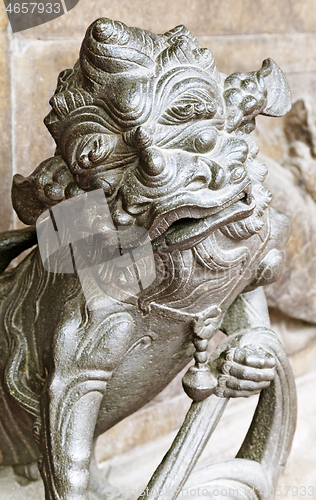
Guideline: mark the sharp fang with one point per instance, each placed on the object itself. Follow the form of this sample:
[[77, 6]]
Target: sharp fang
[[248, 194], [248, 198]]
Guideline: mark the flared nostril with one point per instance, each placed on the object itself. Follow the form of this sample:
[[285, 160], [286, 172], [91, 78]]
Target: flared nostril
[[218, 176], [237, 173]]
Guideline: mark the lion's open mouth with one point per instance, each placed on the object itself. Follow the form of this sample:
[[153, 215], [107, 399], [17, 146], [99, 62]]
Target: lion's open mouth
[[184, 225], [188, 226]]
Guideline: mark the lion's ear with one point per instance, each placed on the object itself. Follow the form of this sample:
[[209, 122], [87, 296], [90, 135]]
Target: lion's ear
[[278, 91], [50, 183], [248, 95], [25, 201]]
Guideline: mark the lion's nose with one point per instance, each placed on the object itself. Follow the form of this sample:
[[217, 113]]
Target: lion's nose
[[151, 162], [153, 170]]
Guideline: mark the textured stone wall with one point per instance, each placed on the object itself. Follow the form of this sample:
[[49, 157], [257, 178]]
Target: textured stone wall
[[240, 33]]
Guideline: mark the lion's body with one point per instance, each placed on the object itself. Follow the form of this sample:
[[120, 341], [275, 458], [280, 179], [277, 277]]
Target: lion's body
[[36, 306]]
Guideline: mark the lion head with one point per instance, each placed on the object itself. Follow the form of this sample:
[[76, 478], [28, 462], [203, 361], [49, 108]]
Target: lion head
[[151, 121]]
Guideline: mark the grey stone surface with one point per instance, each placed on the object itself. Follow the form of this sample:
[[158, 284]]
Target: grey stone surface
[[217, 18], [293, 52], [295, 292], [6, 215], [35, 76]]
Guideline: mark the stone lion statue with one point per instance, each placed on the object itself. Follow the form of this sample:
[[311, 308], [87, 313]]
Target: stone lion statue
[[154, 231]]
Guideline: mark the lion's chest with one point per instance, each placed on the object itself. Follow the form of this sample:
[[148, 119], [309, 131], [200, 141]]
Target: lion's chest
[[160, 347], [161, 344]]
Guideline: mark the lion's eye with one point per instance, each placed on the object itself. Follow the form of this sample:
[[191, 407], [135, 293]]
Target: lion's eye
[[201, 141], [205, 141], [94, 149]]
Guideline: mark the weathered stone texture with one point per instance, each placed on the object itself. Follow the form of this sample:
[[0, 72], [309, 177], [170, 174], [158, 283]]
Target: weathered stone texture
[[202, 17], [293, 52], [295, 292], [5, 125], [35, 76]]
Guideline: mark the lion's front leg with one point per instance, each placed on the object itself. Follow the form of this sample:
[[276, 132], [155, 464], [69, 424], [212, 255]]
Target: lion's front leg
[[69, 417], [84, 359], [245, 366], [245, 371]]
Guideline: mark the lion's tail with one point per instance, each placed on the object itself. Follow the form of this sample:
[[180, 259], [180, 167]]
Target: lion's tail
[[12, 243]]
